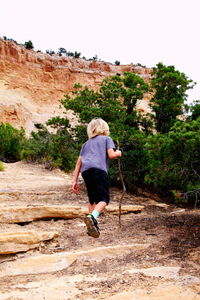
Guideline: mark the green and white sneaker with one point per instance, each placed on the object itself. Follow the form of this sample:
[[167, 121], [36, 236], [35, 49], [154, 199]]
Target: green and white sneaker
[[92, 226]]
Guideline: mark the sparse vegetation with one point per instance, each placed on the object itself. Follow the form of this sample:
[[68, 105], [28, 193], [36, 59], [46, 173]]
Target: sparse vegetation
[[29, 45], [62, 51], [95, 57], [117, 62], [50, 52]]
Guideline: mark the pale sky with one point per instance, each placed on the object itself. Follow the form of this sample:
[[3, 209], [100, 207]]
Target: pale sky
[[131, 31]]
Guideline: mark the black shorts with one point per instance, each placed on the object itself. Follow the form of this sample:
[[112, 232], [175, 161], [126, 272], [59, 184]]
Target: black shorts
[[96, 181]]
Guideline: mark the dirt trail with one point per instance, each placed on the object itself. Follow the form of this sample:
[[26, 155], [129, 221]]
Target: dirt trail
[[154, 255]]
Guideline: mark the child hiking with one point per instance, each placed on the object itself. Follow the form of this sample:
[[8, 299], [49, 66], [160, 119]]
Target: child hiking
[[93, 165]]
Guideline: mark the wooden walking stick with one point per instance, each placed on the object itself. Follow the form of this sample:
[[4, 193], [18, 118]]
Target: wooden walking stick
[[123, 186]]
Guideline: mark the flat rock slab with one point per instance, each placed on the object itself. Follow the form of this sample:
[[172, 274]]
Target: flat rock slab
[[67, 288], [13, 242], [55, 262], [161, 292], [165, 272], [31, 213], [62, 288]]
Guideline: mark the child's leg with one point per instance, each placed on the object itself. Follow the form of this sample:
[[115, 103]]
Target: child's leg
[[97, 187], [91, 207], [100, 206], [98, 209]]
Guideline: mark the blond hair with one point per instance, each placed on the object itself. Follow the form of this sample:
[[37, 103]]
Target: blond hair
[[97, 127]]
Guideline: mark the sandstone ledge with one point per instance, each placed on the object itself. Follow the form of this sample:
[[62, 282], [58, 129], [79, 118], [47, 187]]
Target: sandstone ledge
[[47, 263], [13, 242], [31, 213]]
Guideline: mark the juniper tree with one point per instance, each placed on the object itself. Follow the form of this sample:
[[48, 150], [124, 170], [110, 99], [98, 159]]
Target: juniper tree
[[170, 88]]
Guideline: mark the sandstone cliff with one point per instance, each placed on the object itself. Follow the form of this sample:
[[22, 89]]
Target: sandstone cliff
[[32, 84]]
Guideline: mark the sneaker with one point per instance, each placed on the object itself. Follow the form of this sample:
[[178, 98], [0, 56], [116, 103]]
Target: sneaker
[[92, 226]]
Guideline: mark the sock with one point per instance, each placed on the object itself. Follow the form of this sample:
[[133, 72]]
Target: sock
[[95, 213]]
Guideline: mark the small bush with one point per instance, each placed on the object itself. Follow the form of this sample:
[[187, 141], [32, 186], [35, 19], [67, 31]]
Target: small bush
[[28, 45], [1, 166], [54, 150], [11, 142]]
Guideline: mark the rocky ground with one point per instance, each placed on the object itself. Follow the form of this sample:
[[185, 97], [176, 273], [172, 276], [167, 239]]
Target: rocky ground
[[154, 255]]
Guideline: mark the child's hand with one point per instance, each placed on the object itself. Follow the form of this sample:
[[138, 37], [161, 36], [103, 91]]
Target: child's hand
[[75, 187], [118, 153]]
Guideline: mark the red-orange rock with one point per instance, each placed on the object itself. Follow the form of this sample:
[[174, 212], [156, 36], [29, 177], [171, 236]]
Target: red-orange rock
[[37, 80]]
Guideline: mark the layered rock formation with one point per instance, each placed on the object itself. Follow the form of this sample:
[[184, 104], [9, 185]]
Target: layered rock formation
[[32, 83], [25, 214], [20, 241]]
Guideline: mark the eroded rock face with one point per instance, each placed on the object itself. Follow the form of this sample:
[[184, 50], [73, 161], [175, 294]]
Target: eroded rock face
[[20, 241], [27, 214], [42, 80]]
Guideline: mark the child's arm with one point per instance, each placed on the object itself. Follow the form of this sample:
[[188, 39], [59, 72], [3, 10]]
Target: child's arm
[[114, 154], [76, 174]]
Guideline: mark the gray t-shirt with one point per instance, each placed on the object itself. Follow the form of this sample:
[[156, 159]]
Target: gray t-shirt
[[94, 153]]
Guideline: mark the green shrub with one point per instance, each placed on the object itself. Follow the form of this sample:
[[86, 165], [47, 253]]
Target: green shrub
[[170, 88], [195, 109], [11, 142], [1, 166], [28, 45], [117, 62], [173, 159], [133, 162], [52, 149]]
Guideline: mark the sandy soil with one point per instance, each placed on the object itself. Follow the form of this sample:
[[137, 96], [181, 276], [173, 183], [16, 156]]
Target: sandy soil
[[153, 255]]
